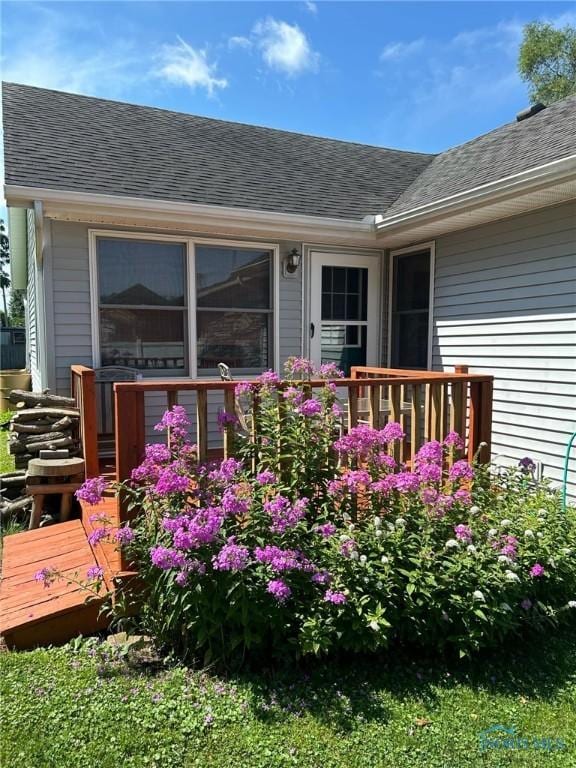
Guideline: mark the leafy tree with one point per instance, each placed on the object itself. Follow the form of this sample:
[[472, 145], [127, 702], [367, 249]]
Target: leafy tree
[[547, 61], [17, 312], [4, 261]]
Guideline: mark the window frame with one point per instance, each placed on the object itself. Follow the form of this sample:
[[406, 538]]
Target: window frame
[[190, 307], [410, 250]]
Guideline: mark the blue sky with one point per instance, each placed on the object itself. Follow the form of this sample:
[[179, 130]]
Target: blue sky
[[421, 76]]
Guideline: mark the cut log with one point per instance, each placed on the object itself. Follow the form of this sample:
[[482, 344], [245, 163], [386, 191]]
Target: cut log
[[18, 447], [41, 427], [12, 480], [59, 468], [33, 414], [33, 399], [24, 440], [18, 505]]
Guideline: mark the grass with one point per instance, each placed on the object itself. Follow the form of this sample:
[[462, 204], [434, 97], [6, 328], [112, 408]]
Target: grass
[[66, 707], [6, 461]]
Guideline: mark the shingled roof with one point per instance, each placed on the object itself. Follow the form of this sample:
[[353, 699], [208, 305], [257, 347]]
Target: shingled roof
[[63, 141], [515, 147]]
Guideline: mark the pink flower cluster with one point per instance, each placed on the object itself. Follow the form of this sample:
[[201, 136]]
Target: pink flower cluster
[[92, 490], [285, 514]]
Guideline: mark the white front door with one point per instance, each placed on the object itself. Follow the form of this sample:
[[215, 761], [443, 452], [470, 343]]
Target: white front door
[[344, 309]]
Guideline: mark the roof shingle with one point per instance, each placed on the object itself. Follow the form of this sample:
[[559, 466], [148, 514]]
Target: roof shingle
[[64, 141]]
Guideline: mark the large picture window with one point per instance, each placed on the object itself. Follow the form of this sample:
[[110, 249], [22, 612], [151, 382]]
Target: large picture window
[[145, 305]]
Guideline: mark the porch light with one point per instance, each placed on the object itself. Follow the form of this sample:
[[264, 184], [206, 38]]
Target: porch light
[[291, 262]]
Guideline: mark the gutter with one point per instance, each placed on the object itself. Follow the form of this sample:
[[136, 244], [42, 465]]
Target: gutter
[[511, 186], [69, 205]]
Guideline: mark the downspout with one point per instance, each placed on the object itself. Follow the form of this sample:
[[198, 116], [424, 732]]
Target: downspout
[[42, 336]]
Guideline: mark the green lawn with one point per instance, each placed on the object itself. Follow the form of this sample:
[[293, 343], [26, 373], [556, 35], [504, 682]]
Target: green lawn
[[62, 708], [6, 461]]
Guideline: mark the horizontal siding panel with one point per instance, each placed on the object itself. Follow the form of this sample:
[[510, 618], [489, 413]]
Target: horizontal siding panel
[[505, 304]]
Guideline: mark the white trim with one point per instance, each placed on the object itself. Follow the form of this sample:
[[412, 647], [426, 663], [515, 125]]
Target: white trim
[[190, 245], [359, 258], [431, 247], [515, 184], [96, 208]]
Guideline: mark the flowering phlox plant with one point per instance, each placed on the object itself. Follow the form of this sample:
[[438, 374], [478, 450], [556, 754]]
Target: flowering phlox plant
[[314, 539]]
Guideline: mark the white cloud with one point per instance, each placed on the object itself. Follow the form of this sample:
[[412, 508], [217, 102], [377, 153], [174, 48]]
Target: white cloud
[[311, 7], [183, 65], [400, 50], [238, 41], [285, 47]]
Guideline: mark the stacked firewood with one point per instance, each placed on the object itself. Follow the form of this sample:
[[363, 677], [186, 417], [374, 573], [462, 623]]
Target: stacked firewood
[[42, 422]]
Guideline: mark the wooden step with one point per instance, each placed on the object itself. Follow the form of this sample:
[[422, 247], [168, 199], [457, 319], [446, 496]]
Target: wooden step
[[32, 614]]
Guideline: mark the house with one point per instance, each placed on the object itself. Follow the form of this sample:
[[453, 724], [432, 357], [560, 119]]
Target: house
[[169, 242]]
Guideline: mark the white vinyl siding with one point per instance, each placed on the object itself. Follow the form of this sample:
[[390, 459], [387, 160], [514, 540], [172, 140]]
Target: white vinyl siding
[[505, 304]]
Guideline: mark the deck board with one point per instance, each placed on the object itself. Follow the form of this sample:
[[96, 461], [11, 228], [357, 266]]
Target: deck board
[[32, 614]]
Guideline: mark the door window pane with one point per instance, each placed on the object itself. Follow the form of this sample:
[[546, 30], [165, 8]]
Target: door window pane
[[344, 293], [344, 345], [413, 281]]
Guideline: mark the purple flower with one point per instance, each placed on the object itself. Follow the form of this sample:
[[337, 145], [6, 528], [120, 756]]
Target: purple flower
[[537, 570], [299, 365], [431, 451], [356, 479], [234, 503], [526, 604], [310, 407], [175, 421], [321, 577], [232, 557], [463, 495], [124, 535], [165, 558], [527, 464], [330, 370], [348, 548], [171, 481], [282, 559], [194, 530], [429, 495], [279, 590], [269, 379], [226, 420], [46, 576], [463, 532], [243, 388], [92, 490], [157, 453], [461, 470], [294, 395], [392, 431], [266, 477], [284, 514], [360, 441], [226, 472], [95, 573], [453, 440], [405, 482], [338, 598], [429, 473], [98, 535], [326, 529]]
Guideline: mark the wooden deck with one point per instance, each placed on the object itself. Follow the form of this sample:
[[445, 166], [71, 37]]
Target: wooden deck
[[427, 403], [32, 614]]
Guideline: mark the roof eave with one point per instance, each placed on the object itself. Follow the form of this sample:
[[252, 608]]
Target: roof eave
[[165, 214], [484, 197]]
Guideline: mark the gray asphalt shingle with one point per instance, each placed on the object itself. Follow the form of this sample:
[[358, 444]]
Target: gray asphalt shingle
[[515, 147], [63, 141]]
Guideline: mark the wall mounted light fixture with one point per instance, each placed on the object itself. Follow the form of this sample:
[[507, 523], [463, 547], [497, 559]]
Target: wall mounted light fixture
[[291, 262]]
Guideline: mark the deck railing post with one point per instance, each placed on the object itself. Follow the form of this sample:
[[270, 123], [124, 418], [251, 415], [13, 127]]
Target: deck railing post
[[130, 437], [84, 392], [480, 420]]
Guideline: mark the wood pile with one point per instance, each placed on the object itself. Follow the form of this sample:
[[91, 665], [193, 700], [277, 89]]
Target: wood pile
[[42, 422]]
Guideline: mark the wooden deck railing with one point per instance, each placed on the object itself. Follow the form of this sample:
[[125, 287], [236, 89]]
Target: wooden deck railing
[[427, 404], [83, 391]]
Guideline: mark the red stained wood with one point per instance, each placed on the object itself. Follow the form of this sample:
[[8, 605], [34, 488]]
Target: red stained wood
[[31, 614]]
